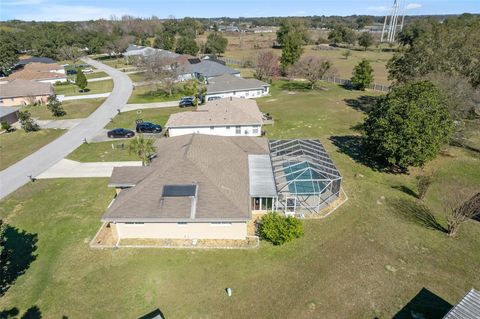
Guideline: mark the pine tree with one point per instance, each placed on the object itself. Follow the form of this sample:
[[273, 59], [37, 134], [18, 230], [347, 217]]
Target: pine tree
[[81, 80], [362, 75]]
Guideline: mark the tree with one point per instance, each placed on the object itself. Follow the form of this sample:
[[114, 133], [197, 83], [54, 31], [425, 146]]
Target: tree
[[408, 126], [450, 48], [8, 52], [143, 147], [160, 68], [194, 88], [342, 34], [55, 106], [81, 80], [216, 43], [26, 121], [164, 40], [365, 40], [362, 75], [423, 184], [266, 66], [4, 260], [292, 26], [279, 229], [347, 54], [70, 53], [311, 68], [186, 45], [291, 51], [459, 208], [7, 127], [350, 37]]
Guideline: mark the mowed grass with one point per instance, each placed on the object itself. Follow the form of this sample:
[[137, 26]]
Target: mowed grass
[[92, 88], [137, 77], [74, 109], [17, 145], [96, 75], [151, 94], [103, 152], [344, 67], [366, 260]]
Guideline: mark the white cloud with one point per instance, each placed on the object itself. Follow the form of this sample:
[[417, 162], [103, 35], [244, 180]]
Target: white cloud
[[411, 6], [377, 8], [71, 13]]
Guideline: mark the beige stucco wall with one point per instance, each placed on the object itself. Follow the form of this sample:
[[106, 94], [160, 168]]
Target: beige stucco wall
[[179, 231], [25, 100]]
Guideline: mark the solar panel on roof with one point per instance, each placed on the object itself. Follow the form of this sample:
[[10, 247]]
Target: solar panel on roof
[[179, 190]]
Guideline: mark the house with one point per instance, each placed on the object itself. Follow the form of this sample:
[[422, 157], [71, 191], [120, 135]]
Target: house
[[467, 308], [206, 69], [8, 114], [207, 187], [197, 187], [45, 67], [143, 51], [39, 76], [228, 85], [34, 59], [226, 117], [24, 92]]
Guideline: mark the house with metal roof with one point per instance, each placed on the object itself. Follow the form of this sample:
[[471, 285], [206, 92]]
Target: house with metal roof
[[467, 308], [207, 187], [228, 85], [226, 117]]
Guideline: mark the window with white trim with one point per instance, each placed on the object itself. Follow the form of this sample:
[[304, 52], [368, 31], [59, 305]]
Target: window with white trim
[[255, 130], [238, 130]]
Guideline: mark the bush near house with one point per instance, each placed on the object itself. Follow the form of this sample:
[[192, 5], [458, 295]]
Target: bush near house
[[279, 229]]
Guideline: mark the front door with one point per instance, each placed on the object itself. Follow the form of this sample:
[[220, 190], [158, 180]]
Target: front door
[[290, 205]]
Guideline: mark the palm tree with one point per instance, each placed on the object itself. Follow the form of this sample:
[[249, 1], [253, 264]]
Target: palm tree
[[143, 147]]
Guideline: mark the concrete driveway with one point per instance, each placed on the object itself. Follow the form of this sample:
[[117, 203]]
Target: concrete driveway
[[82, 97], [17, 175], [66, 168]]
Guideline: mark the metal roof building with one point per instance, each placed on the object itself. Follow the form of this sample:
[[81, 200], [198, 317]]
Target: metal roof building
[[467, 308]]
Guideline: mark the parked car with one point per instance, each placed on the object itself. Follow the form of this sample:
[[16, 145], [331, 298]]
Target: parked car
[[71, 71], [147, 127], [186, 101], [213, 98], [120, 132], [87, 70]]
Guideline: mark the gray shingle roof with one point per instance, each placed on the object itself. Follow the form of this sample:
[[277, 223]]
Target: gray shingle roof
[[217, 165], [467, 308], [6, 110], [21, 87], [228, 83], [207, 68], [221, 112]]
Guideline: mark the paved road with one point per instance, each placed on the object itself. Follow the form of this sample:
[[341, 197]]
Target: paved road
[[16, 175]]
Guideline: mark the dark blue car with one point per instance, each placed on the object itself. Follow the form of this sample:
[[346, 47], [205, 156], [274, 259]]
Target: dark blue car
[[120, 132], [147, 127]]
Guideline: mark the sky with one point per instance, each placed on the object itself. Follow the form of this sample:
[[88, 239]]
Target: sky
[[70, 10]]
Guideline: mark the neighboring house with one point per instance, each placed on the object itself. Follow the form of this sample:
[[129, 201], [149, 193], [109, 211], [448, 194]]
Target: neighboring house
[[228, 85], [225, 117], [8, 114], [207, 187], [206, 69], [24, 92], [142, 51], [260, 29], [34, 59], [197, 187], [44, 67], [39, 76], [467, 308]]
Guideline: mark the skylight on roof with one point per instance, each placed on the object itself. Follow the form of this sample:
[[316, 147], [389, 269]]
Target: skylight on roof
[[179, 190]]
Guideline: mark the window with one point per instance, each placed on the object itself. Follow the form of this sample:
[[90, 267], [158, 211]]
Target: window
[[228, 127], [211, 128], [182, 224], [247, 94], [255, 130], [238, 130], [220, 224]]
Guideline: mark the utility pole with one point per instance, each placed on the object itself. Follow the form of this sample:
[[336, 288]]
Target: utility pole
[[391, 22]]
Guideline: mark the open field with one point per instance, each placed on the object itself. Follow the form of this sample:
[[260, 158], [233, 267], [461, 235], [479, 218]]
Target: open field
[[75, 109], [16, 145], [367, 260], [92, 88], [150, 94]]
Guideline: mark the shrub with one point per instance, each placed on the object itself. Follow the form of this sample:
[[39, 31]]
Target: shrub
[[55, 106], [28, 124], [423, 184], [6, 126], [278, 229]]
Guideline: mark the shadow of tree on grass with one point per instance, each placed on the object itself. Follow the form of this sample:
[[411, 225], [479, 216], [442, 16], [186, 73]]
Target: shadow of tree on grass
[[406, 190], [20, 247], [31, 313], [363, 103], [416, 213], [296, 86]]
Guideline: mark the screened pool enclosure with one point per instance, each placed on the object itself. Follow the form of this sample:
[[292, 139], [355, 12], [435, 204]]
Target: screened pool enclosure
[[306, 178]]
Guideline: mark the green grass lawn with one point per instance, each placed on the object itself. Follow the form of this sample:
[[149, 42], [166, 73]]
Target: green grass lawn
[[92, 88], [17, 145], [95, 75], [137, 77], [150, 94], [158, 116], [75, 109], [366, 260], [103, 152]]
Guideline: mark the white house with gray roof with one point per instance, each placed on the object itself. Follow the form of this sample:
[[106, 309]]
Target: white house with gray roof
[[228, 85], [225, 117]]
